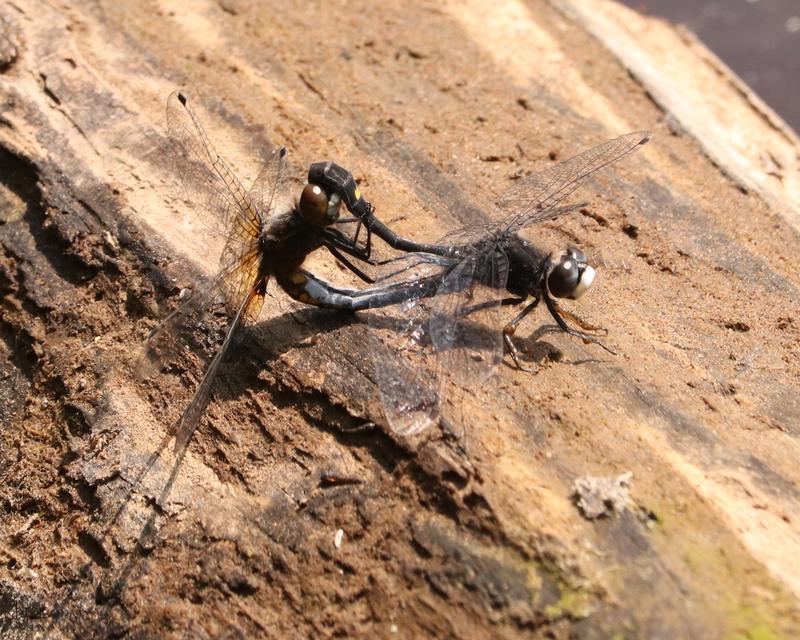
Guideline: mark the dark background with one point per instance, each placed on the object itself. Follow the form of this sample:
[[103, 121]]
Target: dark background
[[758, 39]]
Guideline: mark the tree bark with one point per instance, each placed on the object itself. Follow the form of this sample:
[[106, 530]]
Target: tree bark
[[436, 108]]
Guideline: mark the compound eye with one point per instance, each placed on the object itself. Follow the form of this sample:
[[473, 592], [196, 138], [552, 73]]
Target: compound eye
[[564, 277], [314, 204], [577, 255]]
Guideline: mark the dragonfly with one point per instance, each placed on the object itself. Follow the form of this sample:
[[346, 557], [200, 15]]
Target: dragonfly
[[469, 273], [493, 253], [265, 238]]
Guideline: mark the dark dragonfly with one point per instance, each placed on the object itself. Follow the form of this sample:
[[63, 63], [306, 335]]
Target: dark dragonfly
[[493, 254], [466, 273], [265, 237]]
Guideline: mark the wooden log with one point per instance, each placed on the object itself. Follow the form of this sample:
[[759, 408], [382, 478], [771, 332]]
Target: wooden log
[[436, 108]]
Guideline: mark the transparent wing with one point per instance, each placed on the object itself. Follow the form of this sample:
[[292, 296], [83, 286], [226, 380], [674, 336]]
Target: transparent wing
[[407, 265], [536, 198], [176, 332], [464, 325], [264, 190], [475, 238], [208, 181], [241, 257], [431, 348], [191, 415], [222, 202], [405, 365], [465, 328]]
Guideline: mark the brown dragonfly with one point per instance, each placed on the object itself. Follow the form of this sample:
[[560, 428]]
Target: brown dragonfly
[[265, 237]]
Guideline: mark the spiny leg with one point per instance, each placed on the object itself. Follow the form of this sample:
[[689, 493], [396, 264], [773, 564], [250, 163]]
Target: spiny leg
[[489, 304], [367, 242], [335, 238], [366, 248], [511, 328], [337, 254], [583, 324], [586, 337]]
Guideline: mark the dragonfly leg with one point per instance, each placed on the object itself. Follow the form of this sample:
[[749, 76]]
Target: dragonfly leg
[[334, 238], [583, 324], [367, 242], [359, 428], [366, 247], [586, 337], [511, 328], [490, 304], [336, 254]]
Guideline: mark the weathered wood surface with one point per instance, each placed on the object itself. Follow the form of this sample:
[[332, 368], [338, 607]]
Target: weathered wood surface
[[435, 107]]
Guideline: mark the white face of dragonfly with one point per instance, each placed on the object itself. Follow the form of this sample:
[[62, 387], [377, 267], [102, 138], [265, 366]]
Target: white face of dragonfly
[[568, 274]]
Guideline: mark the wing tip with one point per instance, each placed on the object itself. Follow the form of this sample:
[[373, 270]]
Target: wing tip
[[642, 137]]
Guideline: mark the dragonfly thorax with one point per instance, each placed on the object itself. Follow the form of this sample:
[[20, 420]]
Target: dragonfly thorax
[[525, 267], [286, 239], [568, 274]]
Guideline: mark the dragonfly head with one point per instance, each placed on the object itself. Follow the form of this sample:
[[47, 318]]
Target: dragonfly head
[[569, 274], [317, 207]]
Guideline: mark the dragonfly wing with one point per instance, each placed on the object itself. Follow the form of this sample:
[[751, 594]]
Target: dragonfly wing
[[470, 235], [407, 266], [176, 332], [191, 415], [405, 366], [264, 192], [242, 267], [241, 258], [222, 200], [535, 198], [465, 333], [208, 182], [464, 323]]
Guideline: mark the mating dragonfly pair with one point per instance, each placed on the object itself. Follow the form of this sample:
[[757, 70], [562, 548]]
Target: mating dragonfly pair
[[445, 294]]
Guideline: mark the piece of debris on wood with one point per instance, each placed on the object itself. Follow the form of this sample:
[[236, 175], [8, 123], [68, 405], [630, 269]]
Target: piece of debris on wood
[[599, 496]]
